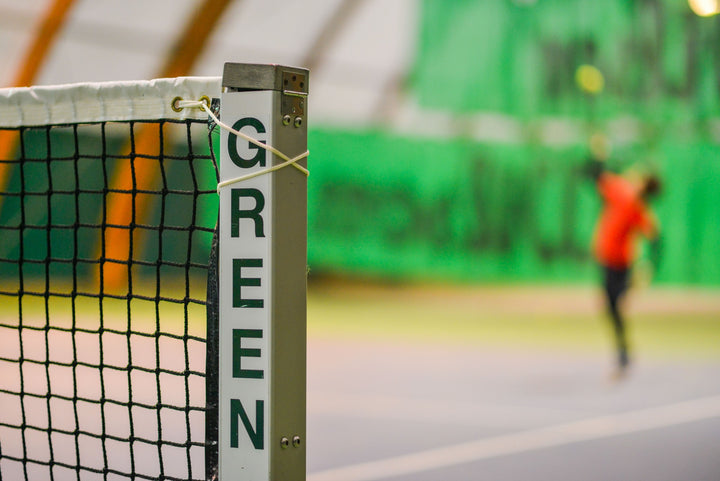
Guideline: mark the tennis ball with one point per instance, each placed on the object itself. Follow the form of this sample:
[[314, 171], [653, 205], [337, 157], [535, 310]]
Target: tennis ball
[[589, 79]]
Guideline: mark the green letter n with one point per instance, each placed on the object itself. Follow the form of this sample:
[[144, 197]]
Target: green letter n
[[256, 435]]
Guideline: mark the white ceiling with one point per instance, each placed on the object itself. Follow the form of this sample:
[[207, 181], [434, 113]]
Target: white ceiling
[[128, 39]]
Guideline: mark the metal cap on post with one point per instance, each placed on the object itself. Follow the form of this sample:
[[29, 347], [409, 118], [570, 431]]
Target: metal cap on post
[[262, 266]]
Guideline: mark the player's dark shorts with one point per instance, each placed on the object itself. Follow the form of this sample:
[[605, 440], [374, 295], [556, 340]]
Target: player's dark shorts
[[616, 281]]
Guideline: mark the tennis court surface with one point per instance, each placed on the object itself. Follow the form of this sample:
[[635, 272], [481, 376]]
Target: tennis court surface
[[413, 405], [439, 397]]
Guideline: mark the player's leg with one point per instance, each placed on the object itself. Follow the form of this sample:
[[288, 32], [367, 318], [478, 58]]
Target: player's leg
[[616, 283]]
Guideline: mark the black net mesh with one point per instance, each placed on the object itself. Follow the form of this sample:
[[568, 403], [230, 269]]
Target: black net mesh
[[105, 237]]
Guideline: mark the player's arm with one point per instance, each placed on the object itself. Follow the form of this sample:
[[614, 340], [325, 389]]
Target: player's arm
[[594, 168], [599, 147], [651, 230], [655, 251]]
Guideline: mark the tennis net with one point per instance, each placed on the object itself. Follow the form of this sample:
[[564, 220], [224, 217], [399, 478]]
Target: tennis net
[[108, 210]]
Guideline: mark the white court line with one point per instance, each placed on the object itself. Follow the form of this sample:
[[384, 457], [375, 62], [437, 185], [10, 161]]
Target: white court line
[[568, 433]]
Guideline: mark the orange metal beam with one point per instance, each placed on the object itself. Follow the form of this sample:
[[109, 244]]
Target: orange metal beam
[[122, 209], [191, 42], [44, 38], [329, 33]]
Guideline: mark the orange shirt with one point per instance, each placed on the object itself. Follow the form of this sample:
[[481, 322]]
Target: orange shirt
[[624, 216]]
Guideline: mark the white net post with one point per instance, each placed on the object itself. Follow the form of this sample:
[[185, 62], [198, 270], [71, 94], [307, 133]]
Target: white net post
[[262, 270]]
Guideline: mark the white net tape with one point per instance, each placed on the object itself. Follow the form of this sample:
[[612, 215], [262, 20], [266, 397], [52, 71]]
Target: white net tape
[[104, 101]]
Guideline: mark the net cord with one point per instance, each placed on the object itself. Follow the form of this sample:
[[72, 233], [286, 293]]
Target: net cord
[[93, 102], [202, 104]]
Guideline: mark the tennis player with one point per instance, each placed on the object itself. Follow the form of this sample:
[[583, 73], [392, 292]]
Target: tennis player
[[625, 216]]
